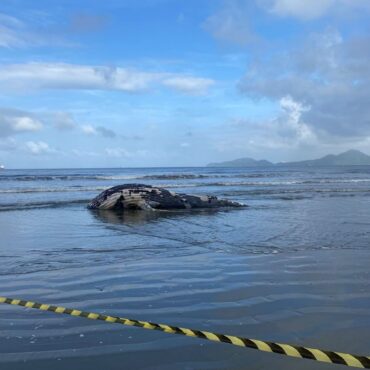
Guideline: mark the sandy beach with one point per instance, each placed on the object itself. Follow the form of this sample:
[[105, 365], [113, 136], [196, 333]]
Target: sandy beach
[[319, 299], [200, 169], [292, 267]]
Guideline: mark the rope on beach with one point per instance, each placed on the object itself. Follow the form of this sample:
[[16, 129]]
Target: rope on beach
[[283, 349]]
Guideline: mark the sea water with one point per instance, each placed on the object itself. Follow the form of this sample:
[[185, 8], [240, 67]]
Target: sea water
[[293, 267]]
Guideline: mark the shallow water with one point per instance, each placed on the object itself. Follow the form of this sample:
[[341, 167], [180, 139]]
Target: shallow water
[[291, 267]]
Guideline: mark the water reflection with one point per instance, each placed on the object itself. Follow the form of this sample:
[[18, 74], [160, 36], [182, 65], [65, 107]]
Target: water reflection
[[137, 217]]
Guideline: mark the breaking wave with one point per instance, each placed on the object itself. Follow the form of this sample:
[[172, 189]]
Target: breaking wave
[[41, 204], [52, 190], [101, 177]]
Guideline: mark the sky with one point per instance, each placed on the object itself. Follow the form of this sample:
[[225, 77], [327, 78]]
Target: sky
[[127, 83]]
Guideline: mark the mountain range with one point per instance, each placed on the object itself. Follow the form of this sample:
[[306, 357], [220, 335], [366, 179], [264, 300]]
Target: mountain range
[[348, 158]]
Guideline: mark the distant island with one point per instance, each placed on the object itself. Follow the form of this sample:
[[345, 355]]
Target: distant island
[[348, 158]]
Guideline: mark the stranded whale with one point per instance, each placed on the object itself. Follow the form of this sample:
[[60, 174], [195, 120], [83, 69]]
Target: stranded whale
[[147, 197]]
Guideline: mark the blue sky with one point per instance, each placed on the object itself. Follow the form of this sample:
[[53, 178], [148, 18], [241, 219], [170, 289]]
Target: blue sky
[[180, 83]]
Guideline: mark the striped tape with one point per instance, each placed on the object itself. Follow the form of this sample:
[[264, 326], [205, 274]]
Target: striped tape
[[280, 348]]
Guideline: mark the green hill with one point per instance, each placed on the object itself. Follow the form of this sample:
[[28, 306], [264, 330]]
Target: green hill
[[348, 158], [242, 162]]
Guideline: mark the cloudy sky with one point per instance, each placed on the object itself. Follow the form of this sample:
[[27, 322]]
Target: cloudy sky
[[91, 83]]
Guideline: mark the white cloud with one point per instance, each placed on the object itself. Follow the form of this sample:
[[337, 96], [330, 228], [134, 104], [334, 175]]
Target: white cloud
[[89, 130], [15, 33], [85, 153], [231, 24], [117, 152], [14, 121], [123, 153], [8, 144], [69, 76], [291, 120], [190, 85], [63, 121], [32, 76], [312, 9], [10, 29], [38, 147], [301, 9], [285, 131], [329, 74], [25, 123], [99, 130]]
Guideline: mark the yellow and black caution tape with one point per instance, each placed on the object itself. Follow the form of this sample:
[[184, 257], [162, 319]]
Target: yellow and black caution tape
[[283, 349]]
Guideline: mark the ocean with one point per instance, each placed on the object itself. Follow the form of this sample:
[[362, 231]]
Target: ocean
[[291, 267]]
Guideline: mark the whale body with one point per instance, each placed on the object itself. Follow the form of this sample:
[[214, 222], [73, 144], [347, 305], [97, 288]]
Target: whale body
[[147, 197]]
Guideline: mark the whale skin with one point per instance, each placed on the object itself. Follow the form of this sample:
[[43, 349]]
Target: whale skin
[[147, 197]]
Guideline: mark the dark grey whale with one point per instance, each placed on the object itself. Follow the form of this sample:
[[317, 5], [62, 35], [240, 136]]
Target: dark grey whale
[[147, 197]]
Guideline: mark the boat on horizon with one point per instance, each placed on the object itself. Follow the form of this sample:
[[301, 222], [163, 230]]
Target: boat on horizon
[[2, 167]]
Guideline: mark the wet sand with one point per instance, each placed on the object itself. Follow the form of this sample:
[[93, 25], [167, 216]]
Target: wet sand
[[293, 267], [315, 298]]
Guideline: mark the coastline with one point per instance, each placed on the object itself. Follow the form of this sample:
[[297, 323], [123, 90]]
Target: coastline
[[315, 298], [292, 267]]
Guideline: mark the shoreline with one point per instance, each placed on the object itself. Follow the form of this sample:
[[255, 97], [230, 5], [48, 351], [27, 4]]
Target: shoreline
[[315, 298]]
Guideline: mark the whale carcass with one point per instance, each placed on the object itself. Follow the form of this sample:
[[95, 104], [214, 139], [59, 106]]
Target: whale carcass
[[147, 197]]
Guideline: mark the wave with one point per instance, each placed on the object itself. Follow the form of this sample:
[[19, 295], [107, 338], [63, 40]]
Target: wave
[[169, 186], [262, 184], [246, 194], [292, 192], [183, 176], [334, 181], [63, 177], [52, 190], [186, 176], [81, 188], [45, 204], [163, 176]]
